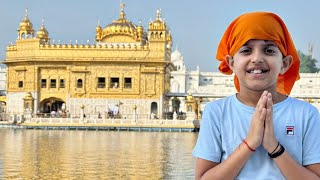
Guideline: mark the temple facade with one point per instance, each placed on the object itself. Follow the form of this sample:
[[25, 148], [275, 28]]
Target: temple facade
[[127, 70]]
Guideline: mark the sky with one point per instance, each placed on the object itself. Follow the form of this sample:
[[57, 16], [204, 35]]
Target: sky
[[196, 26]]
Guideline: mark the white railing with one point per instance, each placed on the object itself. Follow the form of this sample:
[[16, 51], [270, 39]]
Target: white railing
[[101, 121], [125, 119]]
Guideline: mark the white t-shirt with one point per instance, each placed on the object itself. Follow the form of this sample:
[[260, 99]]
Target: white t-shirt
[[225, 123]]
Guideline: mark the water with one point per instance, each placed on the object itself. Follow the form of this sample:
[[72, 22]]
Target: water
[[55, 154]]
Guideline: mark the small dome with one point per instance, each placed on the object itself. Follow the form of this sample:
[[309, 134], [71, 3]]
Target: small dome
[[176, 55], [25, 30], [42, 33], [189, 97], [25, 24], [159, 23], [140, 29]]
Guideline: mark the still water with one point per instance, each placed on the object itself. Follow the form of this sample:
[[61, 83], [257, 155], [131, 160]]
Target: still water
[[59, 154]]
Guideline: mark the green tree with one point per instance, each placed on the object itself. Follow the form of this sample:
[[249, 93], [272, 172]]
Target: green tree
[[307, 63]]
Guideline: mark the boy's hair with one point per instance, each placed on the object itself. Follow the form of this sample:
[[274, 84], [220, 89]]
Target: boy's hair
[[261, 26]]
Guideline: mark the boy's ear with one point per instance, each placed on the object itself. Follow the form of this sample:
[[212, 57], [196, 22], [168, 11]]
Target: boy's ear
[[286, 63], [230, 61]]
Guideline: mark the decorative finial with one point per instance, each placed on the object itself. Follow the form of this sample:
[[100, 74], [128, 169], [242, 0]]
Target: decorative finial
[[122, 6], [140, 22], [122, 15], [26, 13], [159, 14], [42, 22]]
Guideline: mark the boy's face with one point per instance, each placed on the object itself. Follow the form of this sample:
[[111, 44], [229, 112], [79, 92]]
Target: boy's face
[[257, 65]]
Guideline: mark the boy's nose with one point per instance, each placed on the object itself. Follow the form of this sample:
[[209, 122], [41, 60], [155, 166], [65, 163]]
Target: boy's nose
[[257, 57]]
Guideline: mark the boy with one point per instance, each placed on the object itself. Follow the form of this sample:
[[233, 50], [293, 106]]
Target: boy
[[260, 132]]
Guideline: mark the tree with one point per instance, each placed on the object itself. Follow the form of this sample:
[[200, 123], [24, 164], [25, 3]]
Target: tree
[[307, 63]]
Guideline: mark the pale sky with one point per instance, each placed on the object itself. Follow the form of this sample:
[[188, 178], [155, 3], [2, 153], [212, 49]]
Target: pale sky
[[196, 26]]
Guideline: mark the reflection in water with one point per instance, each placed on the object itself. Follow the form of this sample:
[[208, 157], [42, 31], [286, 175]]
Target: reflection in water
[[55, 154]]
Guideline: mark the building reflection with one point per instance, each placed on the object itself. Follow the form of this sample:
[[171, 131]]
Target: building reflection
[[56, 154]]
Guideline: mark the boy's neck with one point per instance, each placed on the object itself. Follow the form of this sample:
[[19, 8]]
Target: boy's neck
[[251, 98]]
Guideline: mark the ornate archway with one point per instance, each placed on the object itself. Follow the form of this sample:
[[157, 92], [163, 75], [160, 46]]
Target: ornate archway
[[51, 104]]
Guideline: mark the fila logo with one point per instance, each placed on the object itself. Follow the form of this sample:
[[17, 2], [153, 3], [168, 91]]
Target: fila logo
[[290, 130]]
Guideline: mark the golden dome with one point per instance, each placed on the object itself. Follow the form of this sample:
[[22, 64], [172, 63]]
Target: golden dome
[[140, 28], [159, 23], [25, 24], [122, 26], [42, 33], [189, 97]]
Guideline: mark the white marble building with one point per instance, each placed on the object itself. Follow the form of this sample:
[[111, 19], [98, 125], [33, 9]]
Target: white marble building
[[214, 85]]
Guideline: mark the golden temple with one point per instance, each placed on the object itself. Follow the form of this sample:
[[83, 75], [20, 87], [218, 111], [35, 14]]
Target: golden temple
[[127, 69]]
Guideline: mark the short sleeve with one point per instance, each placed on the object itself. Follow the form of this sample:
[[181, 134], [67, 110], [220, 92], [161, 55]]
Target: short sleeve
[[208, 145], [311, 142]]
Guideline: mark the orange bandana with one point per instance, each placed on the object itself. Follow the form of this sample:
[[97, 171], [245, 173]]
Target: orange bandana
[[261, 26]]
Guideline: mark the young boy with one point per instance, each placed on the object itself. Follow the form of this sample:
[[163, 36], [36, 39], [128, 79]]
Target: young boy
[[260, 132]]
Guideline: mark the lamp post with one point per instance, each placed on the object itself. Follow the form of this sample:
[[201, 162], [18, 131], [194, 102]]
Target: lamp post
[[135, 113]]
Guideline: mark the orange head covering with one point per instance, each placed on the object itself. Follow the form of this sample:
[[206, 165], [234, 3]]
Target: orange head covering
[[262, 26]]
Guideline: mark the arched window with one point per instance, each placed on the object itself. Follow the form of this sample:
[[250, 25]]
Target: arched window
[[23, 36], [79, 83], [154, 108]]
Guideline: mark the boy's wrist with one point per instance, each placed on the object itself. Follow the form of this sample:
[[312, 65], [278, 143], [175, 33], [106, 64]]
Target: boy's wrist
[[251, 143], [273, 147]]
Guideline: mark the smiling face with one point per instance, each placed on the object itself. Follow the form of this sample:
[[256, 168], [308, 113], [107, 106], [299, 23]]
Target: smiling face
[[257, 65]]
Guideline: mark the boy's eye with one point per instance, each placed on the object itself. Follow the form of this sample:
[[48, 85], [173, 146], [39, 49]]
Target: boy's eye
[[269, 51], [245, 50]]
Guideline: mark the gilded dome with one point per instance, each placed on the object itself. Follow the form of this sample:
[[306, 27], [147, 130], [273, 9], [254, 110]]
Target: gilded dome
[[189, 97], [176, 55], [159, 23], [42, 33], [122, 26], [25, 24]]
